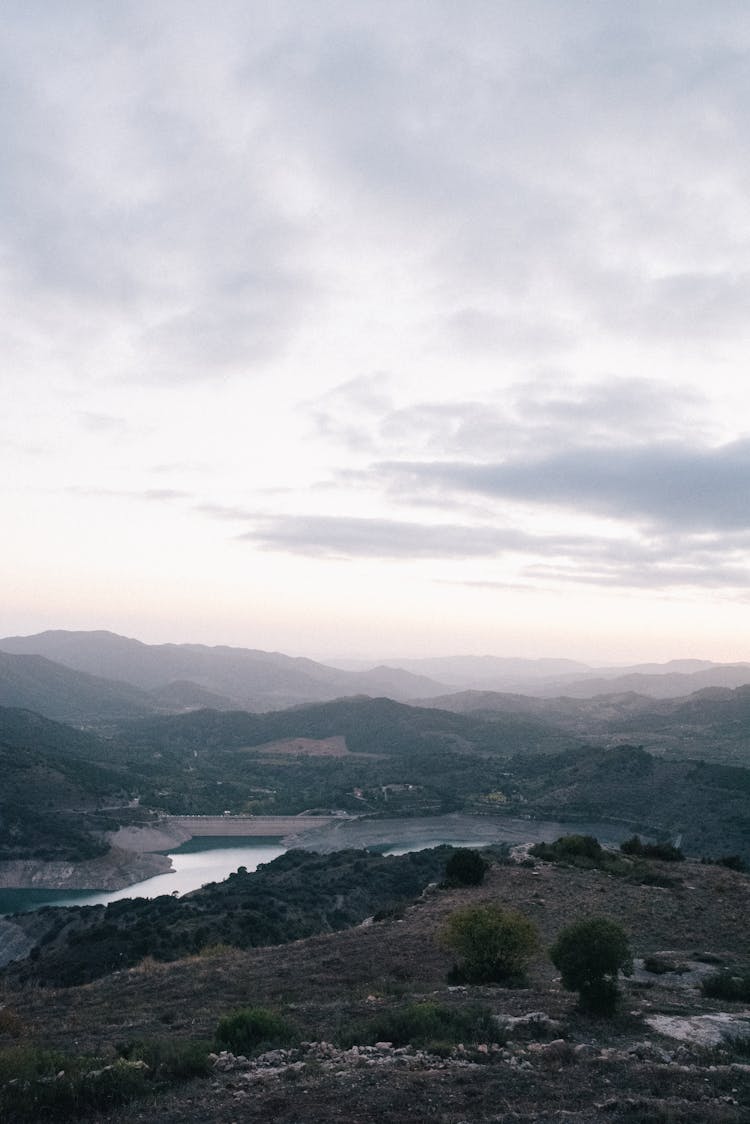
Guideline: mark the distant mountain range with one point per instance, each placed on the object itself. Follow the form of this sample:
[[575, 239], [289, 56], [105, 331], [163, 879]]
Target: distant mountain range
[[713, 722], [552, 678], [99, 677], [186, 676], [484, 672], [665, 684]]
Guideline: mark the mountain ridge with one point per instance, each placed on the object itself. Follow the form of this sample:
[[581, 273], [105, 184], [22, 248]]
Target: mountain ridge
[[246, 677]]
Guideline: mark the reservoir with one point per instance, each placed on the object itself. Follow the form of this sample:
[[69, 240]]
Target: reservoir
[[200, 860], [205, 859]]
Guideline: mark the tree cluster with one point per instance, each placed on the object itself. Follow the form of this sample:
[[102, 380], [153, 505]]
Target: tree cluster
[[495, 945]]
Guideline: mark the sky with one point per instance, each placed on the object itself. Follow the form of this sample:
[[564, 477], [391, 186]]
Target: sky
[[378, 328]]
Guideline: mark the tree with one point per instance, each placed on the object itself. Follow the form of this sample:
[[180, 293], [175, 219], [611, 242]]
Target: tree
[[465, 867], [493, 945], [590, 954]]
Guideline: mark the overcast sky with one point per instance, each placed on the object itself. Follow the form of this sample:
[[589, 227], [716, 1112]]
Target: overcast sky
[[378, 328]]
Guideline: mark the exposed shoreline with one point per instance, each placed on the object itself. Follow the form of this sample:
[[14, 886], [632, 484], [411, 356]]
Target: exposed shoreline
[[457, 828], [134, 853], [115, 870]]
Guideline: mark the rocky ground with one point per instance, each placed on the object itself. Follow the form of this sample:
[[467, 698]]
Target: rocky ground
[[114, 870], [670, 1055]]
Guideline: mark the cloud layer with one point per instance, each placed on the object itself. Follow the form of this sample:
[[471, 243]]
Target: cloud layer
[[290, 289]]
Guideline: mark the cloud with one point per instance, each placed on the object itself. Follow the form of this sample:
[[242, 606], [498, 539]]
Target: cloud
[[105, 424], [678, 561], [667, 485], [478, 329], [139, 202], [150, 495], [225, 511], [533, 176], [350, 412], [349, 536], [551, 412], [554, 173], [493, 257]]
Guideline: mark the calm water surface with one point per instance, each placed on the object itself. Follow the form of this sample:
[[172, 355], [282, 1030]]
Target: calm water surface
[[204, 859], [195, 863]]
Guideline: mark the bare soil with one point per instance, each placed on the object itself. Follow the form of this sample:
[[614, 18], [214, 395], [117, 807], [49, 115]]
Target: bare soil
[[306, 747]]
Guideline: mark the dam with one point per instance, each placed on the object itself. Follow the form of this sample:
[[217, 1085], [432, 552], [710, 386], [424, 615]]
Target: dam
[[247, 827]]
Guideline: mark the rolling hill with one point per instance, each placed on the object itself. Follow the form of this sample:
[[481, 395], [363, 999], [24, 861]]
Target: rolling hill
[[34, 682], [54, 777], [245, 677], [713, 723]]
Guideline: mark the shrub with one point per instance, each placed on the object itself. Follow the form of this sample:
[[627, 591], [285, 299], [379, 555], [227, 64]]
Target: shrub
[[590, 954], [37, 1084], [170, 1061], [569, 848], [425, 1024], [642, 875], [732, 862], [667, 852], [254, 1030], [465, 867], [727, 985], [45, 1085], [493, 945]]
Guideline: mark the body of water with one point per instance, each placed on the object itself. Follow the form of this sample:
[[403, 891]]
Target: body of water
[[206, 859], [195, 863]]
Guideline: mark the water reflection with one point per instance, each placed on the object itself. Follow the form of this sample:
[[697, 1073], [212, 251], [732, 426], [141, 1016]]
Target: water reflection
[[214, 861]]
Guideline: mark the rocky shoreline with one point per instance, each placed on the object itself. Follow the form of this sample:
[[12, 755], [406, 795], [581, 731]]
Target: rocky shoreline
[[114, 870]]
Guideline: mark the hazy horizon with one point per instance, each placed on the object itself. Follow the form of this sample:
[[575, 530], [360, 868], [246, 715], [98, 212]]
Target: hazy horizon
[[410, 330], [355, 659]]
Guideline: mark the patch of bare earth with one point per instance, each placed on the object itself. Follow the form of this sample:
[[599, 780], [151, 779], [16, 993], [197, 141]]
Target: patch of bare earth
[[306, 747], [561, 1068]]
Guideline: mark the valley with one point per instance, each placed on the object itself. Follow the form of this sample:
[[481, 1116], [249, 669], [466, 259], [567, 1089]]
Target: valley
[[365, 799], [72, 792]]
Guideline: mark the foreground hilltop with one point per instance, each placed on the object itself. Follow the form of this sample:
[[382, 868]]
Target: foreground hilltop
[[671, 1054]]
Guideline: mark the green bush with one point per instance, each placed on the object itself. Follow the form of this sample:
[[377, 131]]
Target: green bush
[[667, 852], [585, 851], [643, 875], [45, 1085], [425, 1024], [254, 1030], [170, 1061], [493, 945], [727, 985], [732, 862], [38, 1084], [465, 867], [570, 848], [590, 954]]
